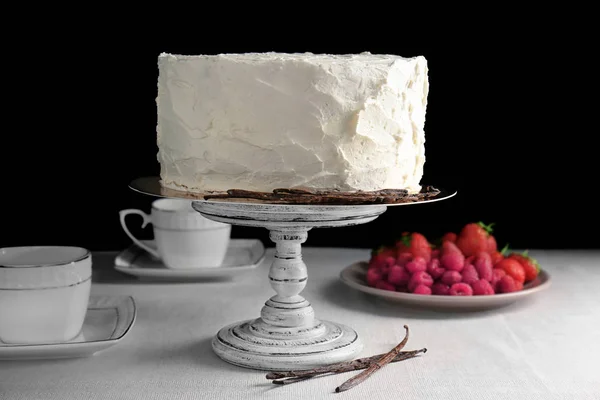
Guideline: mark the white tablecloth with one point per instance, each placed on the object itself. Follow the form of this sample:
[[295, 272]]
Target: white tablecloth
[[544, 348]]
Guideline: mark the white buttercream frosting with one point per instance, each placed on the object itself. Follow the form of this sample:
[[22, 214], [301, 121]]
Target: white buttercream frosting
[[271, 120]]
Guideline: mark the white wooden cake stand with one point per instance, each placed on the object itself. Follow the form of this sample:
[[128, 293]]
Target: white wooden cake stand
[[287, 335]]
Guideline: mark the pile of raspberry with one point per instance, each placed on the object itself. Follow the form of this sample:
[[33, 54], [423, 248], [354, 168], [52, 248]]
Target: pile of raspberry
[[467, 264]]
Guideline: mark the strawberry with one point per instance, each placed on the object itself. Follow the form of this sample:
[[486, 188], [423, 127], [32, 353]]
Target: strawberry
[[496, 257], [499, 255], [492, 245], [450, 236], [473, 238], [416, 244], [513, 268], [530, 265]]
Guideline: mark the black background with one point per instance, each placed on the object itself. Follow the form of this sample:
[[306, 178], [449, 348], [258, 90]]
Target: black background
[[503, 127]]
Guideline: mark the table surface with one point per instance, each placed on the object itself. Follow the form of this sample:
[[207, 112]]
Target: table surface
[[545, 347]]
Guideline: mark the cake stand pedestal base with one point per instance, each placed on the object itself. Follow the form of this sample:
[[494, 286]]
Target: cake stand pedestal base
[[287, 335]]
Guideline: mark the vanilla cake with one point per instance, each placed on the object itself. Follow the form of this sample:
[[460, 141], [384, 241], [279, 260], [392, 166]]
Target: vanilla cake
[[261, 121]]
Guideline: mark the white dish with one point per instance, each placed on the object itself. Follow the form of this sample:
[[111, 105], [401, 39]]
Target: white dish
[[243, 255], [107, 321], [354, 276]]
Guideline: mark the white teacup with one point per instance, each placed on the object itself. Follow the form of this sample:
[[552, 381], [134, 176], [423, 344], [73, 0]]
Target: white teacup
[[44, 293], [184, 238]]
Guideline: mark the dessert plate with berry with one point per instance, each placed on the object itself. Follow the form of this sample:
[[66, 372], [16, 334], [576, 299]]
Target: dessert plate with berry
[[464, 271]]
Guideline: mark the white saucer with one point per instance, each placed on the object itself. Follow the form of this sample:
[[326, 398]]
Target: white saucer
[[108, 320], [354, 276], [243, 255]]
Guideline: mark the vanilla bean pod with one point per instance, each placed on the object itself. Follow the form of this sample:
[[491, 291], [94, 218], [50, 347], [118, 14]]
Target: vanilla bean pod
[[354, 365], [376, 366], [304, 375]]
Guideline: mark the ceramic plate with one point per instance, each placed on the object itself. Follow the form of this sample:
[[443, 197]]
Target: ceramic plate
[[354, 276], [242, 256], [108, 320]]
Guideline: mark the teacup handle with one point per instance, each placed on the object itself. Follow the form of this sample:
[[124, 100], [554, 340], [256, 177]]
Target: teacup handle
[[146, 220]]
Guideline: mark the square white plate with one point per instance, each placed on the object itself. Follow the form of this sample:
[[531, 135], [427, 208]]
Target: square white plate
[[108, 320], [243, 255]]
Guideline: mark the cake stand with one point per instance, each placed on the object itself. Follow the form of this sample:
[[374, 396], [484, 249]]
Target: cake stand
[[287, 335]]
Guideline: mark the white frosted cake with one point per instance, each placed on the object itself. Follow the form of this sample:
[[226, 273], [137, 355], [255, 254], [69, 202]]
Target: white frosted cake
[[270, 120]]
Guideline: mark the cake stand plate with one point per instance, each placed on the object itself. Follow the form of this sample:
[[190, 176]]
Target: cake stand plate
[[287, 335]]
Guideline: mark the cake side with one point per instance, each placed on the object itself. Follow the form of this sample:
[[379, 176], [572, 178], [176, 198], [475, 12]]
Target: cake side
[[265, 121]]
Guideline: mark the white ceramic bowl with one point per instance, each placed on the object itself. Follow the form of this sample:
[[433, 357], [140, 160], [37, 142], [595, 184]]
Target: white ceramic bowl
[[44, 293]]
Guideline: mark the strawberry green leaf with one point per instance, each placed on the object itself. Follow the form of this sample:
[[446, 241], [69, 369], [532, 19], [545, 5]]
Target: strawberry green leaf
[[487, 228], [504, 250], [377, 250], [406, 240]]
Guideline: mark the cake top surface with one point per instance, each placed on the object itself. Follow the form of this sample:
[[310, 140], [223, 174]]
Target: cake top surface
[[258, 58]]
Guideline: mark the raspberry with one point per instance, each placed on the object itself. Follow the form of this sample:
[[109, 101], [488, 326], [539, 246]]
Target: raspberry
[[434, 269], [398, 276], [440, 289], [388, 263], [497, 274], [449, 247], [460, 289], [482, 288], [422, 289], [418, 264], [379, 255], [374, 275], [507, 284], [451, 277], [435, 253], [453, 261], [419, 278], [376, 262], [385, 286], [403, 258], [469, 274], [483, 265]]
